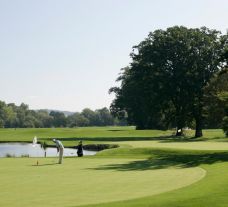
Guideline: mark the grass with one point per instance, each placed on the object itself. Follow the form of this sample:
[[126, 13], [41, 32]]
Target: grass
[[194, 145], [151, 168], [70, 136], [84, 181], [214, 139], [210, 191], [80, 132]]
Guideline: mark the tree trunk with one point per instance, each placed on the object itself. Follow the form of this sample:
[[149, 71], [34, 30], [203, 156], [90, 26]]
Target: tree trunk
[[198, 115], [198, 132]]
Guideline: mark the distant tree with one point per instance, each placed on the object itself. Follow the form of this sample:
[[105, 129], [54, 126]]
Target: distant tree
[[45, 119], [21, 116], [10, 116], [29, 122], [90, 115], [81, 121], [14, 119], [22, 112], [77, 120], [59, 119], [104, 118], [2, 114]]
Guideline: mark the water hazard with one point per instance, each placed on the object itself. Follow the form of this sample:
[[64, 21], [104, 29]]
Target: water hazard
[[29, 150]]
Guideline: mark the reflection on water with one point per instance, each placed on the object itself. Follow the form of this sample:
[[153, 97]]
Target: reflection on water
[[24, 149]]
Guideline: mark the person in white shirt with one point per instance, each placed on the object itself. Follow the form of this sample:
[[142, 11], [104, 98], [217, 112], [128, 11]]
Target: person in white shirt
[[60, 149]]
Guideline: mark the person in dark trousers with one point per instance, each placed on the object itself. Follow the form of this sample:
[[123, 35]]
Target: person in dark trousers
[[80, 149]]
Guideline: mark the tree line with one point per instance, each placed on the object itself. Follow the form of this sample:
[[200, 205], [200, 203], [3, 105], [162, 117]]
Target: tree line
[[177, 78], [12, 116]]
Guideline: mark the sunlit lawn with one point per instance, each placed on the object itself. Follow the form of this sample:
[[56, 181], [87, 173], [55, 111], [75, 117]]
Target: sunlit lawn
[[84, 181], [151, 168]]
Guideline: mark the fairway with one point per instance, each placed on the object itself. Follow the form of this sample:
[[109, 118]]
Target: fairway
[[85, 181], [193, 145]]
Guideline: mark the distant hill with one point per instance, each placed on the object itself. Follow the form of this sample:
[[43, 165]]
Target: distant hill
[[67, 113]]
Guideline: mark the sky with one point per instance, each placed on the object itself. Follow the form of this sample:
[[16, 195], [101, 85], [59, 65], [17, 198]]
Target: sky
[[66, 54]]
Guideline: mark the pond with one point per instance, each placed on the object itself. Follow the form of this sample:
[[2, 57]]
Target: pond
[[25, 149]]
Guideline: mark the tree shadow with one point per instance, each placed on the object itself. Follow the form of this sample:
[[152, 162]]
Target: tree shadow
[[47, 164], [167, 160], [116, 130], [180, 139], [161, 139], [111, 139]]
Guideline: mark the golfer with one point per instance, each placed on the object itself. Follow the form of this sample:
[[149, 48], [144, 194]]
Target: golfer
[[60, 149], [80, 149]]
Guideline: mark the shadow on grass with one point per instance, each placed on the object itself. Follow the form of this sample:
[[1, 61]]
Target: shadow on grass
[[116, 130], [47, 164], [107, 139], [167, 160], [182, 139], [168, 138]]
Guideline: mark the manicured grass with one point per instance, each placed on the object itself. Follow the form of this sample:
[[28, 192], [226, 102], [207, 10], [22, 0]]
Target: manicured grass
[[84, 181], [70, 136], [81, 132], [213, 139], [210, 191], [197, 145], [151, 168]]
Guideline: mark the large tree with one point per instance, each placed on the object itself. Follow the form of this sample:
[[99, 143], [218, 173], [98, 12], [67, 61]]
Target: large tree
[[214, 99], [224, 95], [166, 78]]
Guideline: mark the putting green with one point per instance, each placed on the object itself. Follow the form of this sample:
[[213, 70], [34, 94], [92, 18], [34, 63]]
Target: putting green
[[197, 145], [85, 181]]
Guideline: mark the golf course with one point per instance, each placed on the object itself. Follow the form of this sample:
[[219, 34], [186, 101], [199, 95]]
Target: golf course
[[149, 168], [110, 103]]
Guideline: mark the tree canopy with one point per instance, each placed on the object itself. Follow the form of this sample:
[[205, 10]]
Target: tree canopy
[[12, 116], [164, 84]]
